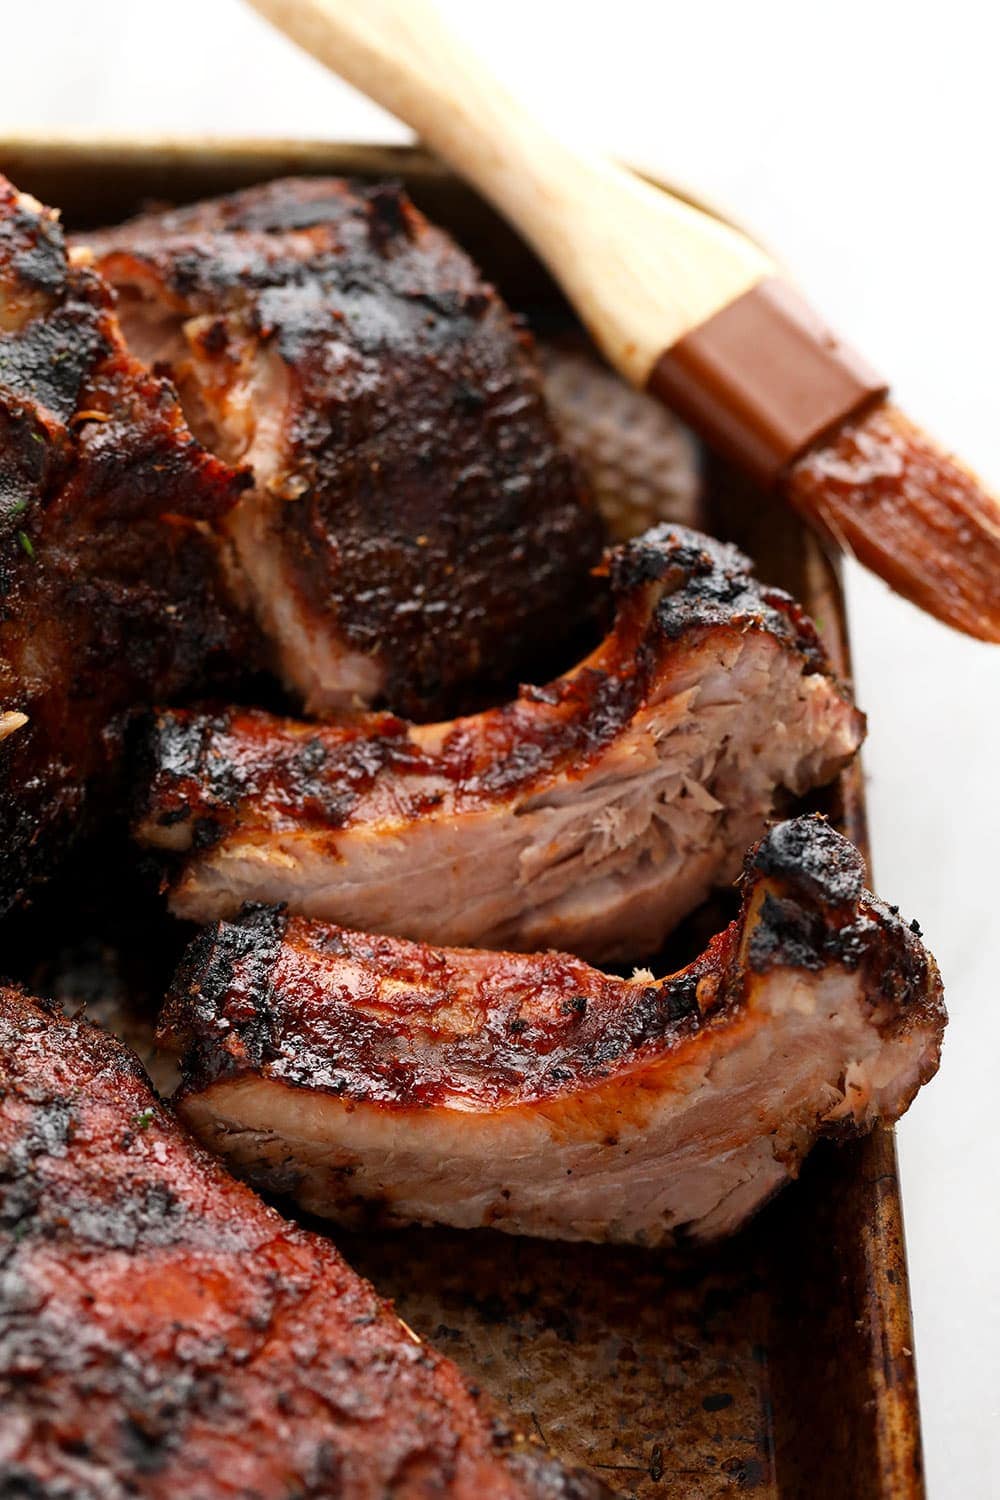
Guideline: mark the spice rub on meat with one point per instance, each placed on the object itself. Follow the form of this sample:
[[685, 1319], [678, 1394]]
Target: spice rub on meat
[[590, 814], [415, 527], [374, 1078], [110, 597], [163, 1333]]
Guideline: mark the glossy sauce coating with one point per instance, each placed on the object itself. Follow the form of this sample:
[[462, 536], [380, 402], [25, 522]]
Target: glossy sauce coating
[[164, 1333], [408, 1026], [672, 586], [910, 512]]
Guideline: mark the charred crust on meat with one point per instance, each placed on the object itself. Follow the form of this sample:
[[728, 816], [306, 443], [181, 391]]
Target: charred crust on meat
[[709, 583], [816, 912], [231, 964], [55, 1121], [797, 936], [192, 785], [811, 853], [203, 767], [533, 1023], [48, 362], [32, 246], [231, 1018], [156, 1319], [182, 778], [439, 527], [111, 596]]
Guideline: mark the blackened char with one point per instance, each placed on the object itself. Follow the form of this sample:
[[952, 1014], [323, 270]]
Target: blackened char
[[110, 591], [380, 1079], [416, 526], [164, 1334], [588, 814]]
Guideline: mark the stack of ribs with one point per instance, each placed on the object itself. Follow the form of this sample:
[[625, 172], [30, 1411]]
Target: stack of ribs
[[290, 440]]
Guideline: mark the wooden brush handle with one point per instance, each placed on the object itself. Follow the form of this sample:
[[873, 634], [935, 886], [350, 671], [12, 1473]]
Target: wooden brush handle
[[641, 267]]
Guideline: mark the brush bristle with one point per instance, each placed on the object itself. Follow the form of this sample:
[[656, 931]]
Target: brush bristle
[[907, 510]]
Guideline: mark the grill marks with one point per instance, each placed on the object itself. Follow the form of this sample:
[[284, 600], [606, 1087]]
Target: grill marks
[[109, 589], [589, 814], [416, 526], [163, 1332], [376, 1078]]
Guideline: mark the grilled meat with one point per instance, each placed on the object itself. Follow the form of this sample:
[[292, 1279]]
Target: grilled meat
[[109, 591], [591, 814], [163, 1333], [415, 524], [376, 1078]]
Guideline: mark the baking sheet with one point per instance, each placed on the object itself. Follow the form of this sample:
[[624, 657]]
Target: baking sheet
[[780, 1364]]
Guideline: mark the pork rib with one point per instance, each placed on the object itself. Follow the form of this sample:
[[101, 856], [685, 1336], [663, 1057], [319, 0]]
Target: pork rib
[[415, 525], [591, 814], [163, 1333], [378, 1079], [109, 589]]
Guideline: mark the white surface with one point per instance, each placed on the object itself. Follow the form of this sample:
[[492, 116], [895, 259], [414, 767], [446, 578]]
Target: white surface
[[861, 142]]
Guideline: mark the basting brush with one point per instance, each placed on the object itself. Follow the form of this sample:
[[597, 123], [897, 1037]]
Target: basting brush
[[689, 308]]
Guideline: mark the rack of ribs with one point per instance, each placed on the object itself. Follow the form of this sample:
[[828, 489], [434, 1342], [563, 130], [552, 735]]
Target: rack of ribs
[[590, 814]]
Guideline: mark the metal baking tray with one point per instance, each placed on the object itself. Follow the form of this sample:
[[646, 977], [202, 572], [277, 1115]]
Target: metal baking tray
[[779, 1364]]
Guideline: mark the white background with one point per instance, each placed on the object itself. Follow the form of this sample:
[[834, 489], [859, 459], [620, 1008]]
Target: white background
[[861, 140]]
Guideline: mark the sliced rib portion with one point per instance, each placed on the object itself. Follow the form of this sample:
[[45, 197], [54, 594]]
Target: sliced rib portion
[[415, 525], [375, 1078], [109, 590], [163, 1333], [591, 814]]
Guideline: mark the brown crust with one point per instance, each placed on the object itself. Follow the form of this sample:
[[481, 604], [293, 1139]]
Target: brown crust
[[164, 1333], [406, 1026], [205, 766], [432, 519], [108, 576]]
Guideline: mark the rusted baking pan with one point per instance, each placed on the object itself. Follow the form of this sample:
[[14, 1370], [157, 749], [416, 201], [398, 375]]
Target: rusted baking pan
[[780, 1364]]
